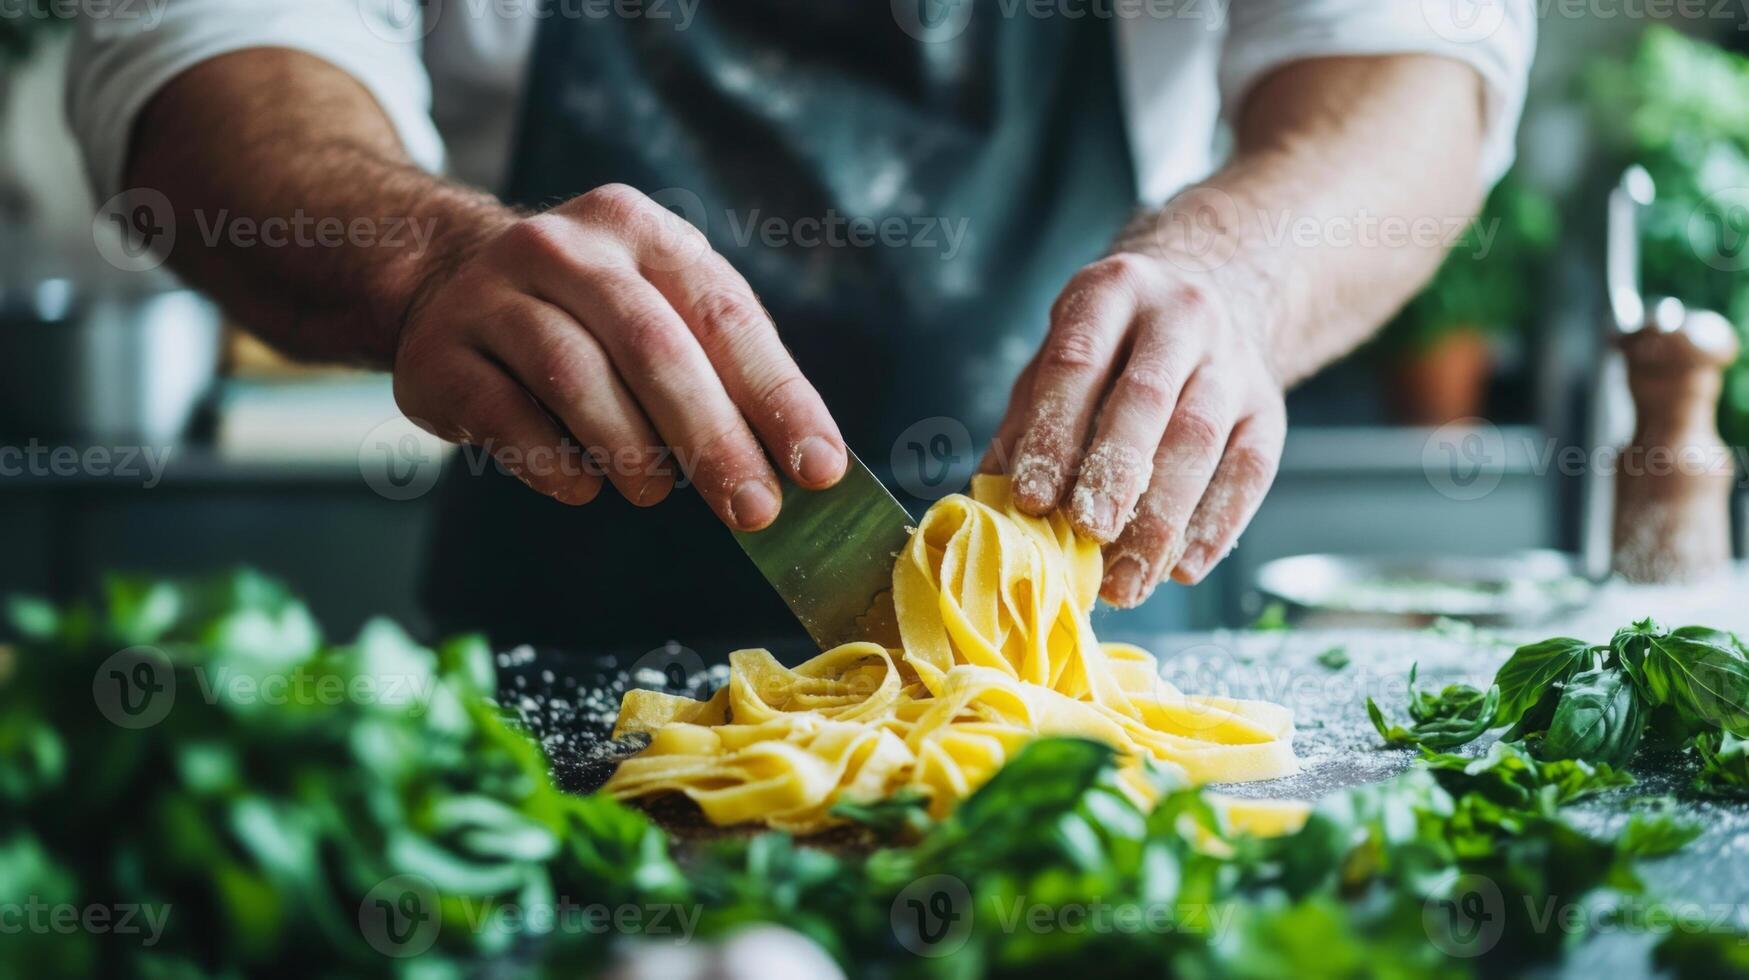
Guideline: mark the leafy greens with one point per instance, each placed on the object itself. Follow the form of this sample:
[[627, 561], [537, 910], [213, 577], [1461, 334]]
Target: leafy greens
[[1566, 700], [270, 826]]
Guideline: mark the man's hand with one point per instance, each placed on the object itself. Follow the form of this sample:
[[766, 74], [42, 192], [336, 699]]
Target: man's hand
[[1153, 412], [606, 325], [1151, 415], [610, 321]]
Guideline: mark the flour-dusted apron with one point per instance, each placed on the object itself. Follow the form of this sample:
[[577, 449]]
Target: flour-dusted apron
[[905, 187]]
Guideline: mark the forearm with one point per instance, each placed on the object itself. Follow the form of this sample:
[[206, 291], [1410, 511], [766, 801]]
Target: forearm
[[271, 138], [1351, 179]]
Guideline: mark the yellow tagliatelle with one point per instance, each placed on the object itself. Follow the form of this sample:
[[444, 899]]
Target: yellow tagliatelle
[[997, 649]]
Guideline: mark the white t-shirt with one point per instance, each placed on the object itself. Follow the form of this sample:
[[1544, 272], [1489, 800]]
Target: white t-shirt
[[449, 73]]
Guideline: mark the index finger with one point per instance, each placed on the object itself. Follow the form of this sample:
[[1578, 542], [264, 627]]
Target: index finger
[[756, 369], [1088, 323]]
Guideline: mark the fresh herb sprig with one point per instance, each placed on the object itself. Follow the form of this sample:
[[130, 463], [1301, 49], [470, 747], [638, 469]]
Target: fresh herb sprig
[[1454, 716], [1724, 764], [290, 788], [1512, 776], [1563, 699]]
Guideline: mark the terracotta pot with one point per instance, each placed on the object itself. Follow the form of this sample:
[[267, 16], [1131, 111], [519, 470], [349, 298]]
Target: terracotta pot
[[1442, 382]]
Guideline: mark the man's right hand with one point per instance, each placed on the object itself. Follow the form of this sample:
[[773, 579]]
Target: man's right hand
[[608, 326]]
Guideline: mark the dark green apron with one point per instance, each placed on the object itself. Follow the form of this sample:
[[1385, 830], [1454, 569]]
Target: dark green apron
[[905, 206]]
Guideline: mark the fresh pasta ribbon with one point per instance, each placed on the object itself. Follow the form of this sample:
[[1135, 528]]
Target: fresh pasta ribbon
[[996, 649]]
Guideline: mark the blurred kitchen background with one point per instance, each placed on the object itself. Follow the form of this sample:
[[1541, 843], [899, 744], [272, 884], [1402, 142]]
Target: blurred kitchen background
[[144, 434]]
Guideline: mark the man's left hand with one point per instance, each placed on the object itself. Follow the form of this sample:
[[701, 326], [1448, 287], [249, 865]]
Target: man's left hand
[[1151, 415]]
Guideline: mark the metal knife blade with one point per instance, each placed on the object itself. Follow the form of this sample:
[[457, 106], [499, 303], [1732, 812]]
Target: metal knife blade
[[830, 554]]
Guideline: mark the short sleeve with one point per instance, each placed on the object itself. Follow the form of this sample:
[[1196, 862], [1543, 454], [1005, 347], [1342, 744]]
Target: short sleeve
[[1495, 37], [120, 61]]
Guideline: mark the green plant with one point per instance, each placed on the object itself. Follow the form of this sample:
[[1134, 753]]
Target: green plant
[[286, 782], [1724, 759], [1598, 719], [1454, 716], [1510, 775], [1535, 670], [1566, 700], [1680, 108]]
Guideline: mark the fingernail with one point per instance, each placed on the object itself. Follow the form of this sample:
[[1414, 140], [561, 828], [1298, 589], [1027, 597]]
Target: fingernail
[[1096, 514], [818, 462], [1195, 563], [651, 490], [1124, 580], [752, 506], [1037, 481]]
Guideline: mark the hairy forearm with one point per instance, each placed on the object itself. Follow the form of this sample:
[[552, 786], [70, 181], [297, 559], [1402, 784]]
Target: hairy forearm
[[296, 206], [1351, 179]]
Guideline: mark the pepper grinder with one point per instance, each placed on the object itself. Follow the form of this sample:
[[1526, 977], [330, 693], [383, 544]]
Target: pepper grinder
[[1674, 478], [1667, 511]]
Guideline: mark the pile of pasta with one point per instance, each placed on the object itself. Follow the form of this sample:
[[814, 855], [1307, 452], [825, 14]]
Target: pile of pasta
[[996, 649]]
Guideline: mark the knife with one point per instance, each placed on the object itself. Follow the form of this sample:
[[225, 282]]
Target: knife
[[830, 554]]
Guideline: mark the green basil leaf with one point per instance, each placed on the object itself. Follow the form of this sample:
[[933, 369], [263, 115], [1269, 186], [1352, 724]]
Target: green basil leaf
[[1534, 723], [902, 816], [1511, 776], [1455, 716], [141, 610], [1657, 835], [1533, 670], [1598, 719], [1668, 731], [1713, 953], [1706, 634], [1705, 680], [33, 618], [1393, 734], [1630, 644], [1724, 764]]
